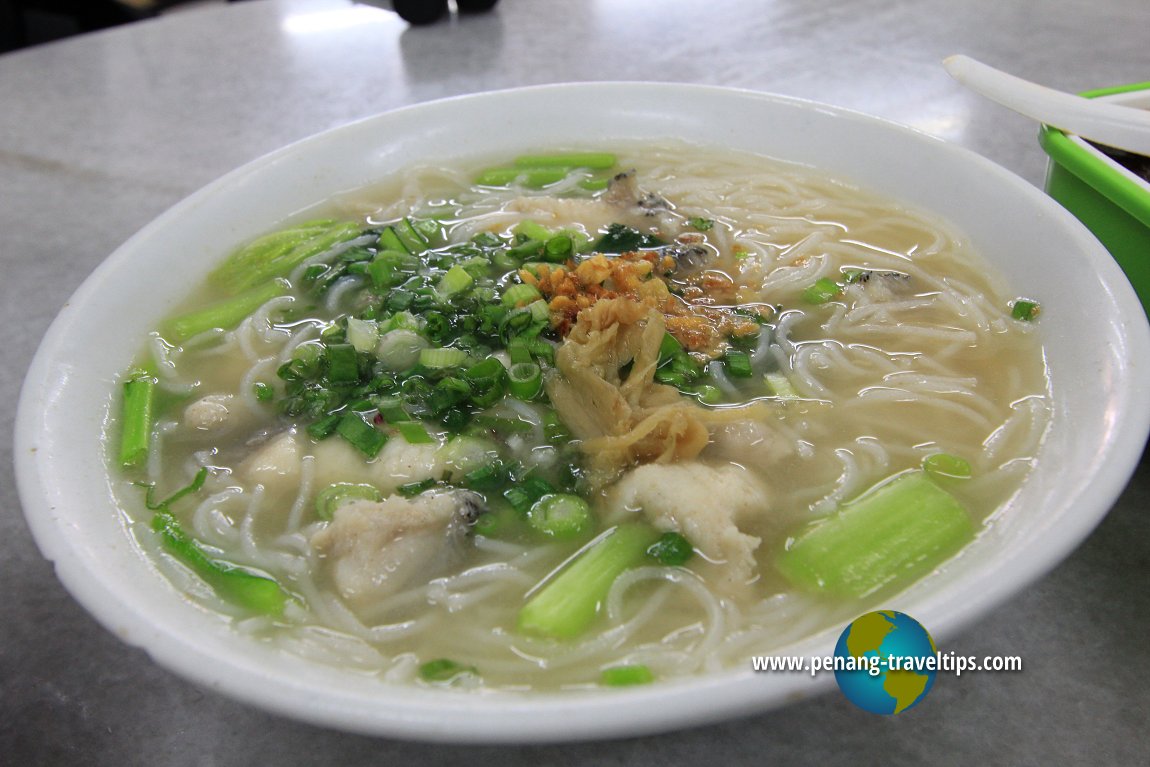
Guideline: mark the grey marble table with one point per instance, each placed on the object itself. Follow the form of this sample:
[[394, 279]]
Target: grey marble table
[[101, 133]]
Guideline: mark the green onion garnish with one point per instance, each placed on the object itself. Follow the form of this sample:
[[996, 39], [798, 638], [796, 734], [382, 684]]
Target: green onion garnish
[[455, 281], [438, 359], [520, 294], [444, 670], [342, 363], [822, 291], [362, 435], [525, 380], [626, 676], [1025, 310], [738, 364], [263, 392], [412, 489], [414, 432], [560, 516], [671, 549], [335, 495]]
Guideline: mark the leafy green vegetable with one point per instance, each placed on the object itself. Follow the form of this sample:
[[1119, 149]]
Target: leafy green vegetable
[[671, 549], [620, 238], [276, 254]]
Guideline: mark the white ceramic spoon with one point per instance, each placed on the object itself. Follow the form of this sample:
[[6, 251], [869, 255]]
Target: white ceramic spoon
[[1110, 124]]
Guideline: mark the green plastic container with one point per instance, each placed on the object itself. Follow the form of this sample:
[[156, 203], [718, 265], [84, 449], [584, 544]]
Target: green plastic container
[[1113, 202]]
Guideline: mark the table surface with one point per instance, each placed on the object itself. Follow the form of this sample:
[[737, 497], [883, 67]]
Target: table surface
[[101, 133]]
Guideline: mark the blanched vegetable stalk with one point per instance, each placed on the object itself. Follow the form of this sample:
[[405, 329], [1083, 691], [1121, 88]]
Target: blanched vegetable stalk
[[137, 417], [896, 533], [567, 604], [276, 254], [224, 315], [246, 589]]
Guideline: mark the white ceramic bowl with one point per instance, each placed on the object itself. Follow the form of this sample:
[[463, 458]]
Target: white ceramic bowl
[[1097, 345]]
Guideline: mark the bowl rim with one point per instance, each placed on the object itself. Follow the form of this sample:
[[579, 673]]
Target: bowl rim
[[565, 716]]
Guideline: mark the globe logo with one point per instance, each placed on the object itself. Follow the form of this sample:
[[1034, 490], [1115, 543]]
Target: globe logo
[[885, 662]]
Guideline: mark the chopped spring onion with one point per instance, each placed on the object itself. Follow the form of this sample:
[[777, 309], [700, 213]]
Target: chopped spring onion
[[438, 359], [342, 363], [778, 385], [946, 465], [403, 320], [560, 516], [620, 238], [454, 281], [1025, 310], [669, 348], [263, 392], [363, 436], [708, 394], [558, 248], [500, 520], [465, 454], [445, 670], [335, 495], [738, 364], [137, 417], [392, 267], [400, 349], [540, 311], [412, 489], [490, 477], [526, 250], [414, 432], [362, 334], [565, 605], [525, 380], [533, 230], [671, 549], [555, 432], [389, 240], [702, 224], [324, 427], [895, 533], [413, 239], [520, 294], [519, 349], [626, 676], [525, 494], [822, 291]]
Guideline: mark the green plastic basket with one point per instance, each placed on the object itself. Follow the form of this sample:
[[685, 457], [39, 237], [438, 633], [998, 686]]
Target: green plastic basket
[[1104, 196]]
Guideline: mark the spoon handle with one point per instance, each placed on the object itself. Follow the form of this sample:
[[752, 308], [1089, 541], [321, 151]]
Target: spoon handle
[[1110, 124]]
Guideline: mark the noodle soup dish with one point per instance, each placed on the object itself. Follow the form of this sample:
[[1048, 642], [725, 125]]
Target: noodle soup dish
[[434, 433], [579, 416]]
